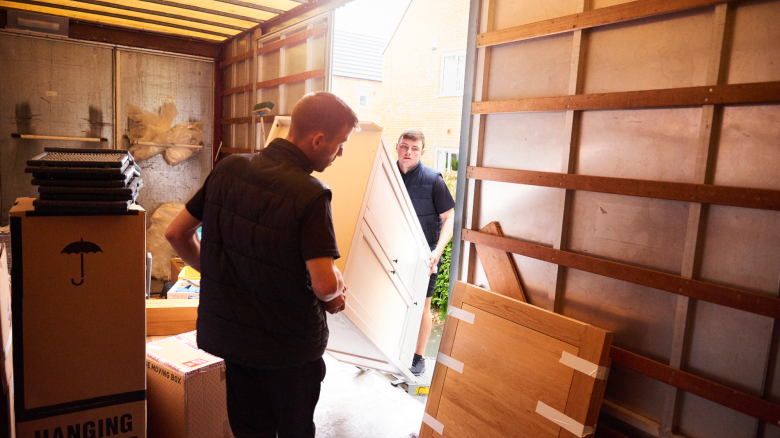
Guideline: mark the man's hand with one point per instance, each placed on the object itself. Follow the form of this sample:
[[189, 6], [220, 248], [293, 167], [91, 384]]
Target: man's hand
[[337, 304], [433, 263]]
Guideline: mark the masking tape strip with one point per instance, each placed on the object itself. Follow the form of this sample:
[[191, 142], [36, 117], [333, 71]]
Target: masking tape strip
[[450, 362], [434, 423], [460, 314], [562, 420], [583, 366], [8, 343]]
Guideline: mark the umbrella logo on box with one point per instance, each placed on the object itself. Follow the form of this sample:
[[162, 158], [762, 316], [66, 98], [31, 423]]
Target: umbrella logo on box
[[81, 247]]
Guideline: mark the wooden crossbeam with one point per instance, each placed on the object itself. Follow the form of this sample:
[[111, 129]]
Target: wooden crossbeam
[[322, 28], [723, 395], [703, 193], [588, 19], [714, 293], [760, 92], [240, 120], [278, 81]]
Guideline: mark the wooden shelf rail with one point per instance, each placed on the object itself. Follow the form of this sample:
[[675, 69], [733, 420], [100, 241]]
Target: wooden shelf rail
[[721, 394], [53, 137], [588, 19], [760, 92], [311, 74], [725, 296], [314, 31], [167, 145], [240, 120], [703, 193]]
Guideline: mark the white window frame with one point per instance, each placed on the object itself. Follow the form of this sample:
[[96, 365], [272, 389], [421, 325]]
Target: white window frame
[[448, 164], [360, 91], [441, 75]]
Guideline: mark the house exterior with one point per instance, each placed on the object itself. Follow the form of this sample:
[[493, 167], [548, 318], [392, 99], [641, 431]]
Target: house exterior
[[422, 80], [357, 73]]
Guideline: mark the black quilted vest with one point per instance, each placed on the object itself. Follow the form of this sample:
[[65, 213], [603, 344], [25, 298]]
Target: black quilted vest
[[419, 183], [257, 306]]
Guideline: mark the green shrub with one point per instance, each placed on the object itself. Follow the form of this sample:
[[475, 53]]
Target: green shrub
[[442, 290]]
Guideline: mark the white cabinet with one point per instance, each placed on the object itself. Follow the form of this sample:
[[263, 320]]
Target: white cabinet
[[383, 254]]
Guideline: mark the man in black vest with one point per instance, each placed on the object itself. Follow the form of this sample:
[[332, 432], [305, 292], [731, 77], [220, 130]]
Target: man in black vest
[[433, 205], [267, 271]]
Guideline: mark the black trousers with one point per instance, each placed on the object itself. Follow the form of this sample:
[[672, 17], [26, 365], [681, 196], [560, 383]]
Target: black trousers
[[263, 403]]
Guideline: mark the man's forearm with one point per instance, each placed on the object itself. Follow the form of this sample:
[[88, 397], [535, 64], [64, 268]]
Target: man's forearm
[[446, 235], [188, 250]]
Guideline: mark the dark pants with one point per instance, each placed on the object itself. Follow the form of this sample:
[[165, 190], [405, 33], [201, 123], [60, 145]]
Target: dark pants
[[263, 403]]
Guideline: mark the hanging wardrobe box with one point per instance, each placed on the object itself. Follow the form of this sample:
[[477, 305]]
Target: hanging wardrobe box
[[384, 254], [78, 323]]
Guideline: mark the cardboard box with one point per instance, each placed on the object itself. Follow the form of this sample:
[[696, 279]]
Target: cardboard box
[[190, 273], [78, 323], [186, 391], [177, 265], [184, 289]]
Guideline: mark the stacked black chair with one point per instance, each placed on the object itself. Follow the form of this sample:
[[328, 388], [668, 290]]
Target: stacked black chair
[[73, 181]]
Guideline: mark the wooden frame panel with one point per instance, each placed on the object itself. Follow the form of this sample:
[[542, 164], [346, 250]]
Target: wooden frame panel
[[702, 193], [761, 92], [722, 295], [278, 44], [585, 392], [585, 20]]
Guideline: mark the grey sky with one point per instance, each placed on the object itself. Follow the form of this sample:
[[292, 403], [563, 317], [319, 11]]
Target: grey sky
[[377, 18]]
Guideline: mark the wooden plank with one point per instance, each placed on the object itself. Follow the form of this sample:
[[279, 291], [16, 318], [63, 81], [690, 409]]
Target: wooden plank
[[557, 326], [586, 394], [236, 151], [703, 193], [500, 267], [715, 392], [713, 293], [278, 81], [170, 317], [585, 20], [322, 28], [760, 92]]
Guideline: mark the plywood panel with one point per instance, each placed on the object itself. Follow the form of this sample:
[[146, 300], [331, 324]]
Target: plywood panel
[[639, 143], [638, 231], [509, 13], [755, 54], [269, 66], [529, 369], [660, 52], [635, 392], [295, 58], [528, 141], [535, 278], [703, 418], [525, 210], [533, 68], [49, 88], [148, 81], [748, 155]]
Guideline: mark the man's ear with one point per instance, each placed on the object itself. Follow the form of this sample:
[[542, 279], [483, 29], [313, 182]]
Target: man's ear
[[317, 140], [422, 152]]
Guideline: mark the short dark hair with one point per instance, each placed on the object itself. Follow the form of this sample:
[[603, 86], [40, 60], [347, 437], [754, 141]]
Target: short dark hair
[[413, 134], [321, 112]]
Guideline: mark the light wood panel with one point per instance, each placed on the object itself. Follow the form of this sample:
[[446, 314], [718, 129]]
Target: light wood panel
[[702, 193], [762, 92], [170, 317], [511, 356], [584, 20], [278, 81], [500, 267], [722, 295], [317, 30]]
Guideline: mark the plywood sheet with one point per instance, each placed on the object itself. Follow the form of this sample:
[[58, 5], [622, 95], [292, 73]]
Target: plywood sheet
[[639, 143], [499, 266], [755, 54], [702, 418], [508, 13], [533, 68], [527, 141], [660, 52]]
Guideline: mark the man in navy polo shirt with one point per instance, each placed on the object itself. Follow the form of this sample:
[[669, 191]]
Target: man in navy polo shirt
[[434, 207]]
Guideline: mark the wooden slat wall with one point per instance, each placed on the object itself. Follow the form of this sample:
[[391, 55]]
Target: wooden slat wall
[[629, 153], [280, 67]]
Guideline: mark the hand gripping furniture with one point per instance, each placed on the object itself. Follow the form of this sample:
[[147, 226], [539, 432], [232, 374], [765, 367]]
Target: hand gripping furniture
[[383, 254]]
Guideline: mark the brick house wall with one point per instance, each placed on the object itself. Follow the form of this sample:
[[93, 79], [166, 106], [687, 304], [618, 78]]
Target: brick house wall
[[347, 89], [411, 75]]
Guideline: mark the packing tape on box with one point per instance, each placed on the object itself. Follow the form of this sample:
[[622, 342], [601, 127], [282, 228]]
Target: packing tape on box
[[450, 362], [583, 366], [434, 423], [460, 314], [563, 420]]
